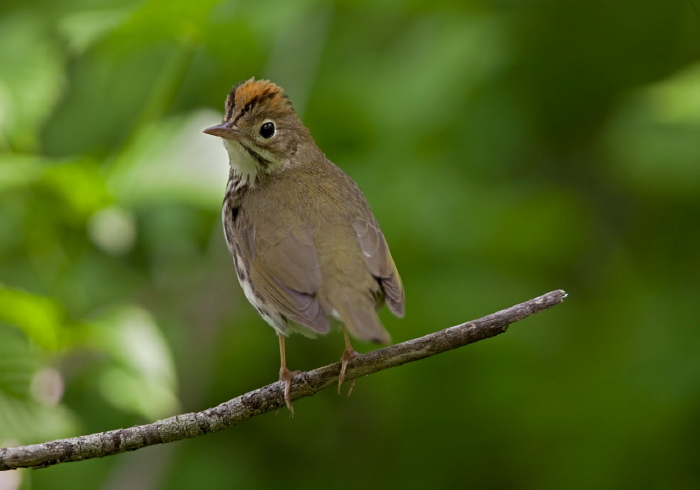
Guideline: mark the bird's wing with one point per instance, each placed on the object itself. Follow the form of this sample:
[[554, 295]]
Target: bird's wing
[[285, 271], [378, 259]]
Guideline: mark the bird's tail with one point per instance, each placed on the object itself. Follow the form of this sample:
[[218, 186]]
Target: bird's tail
[[361, 320]]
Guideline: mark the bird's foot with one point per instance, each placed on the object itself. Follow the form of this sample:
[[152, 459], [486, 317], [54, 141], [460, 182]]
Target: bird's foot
[[348, 355], [286, 377]]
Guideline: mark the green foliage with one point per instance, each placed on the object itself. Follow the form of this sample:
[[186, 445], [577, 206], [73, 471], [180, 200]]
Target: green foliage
[[507, 149], [38, 317], [28, 393]]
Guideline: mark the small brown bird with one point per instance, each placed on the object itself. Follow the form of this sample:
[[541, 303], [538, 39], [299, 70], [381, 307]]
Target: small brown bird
[[306, 246]]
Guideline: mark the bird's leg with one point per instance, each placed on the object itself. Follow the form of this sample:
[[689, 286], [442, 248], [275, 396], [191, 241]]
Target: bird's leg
[[286, 375], [348, 355]]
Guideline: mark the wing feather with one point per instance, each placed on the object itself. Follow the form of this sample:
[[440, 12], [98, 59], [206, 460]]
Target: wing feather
[[380, 263], [285, 271]]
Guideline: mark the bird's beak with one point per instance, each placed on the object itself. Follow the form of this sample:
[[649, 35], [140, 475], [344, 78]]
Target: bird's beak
[[222, 130]]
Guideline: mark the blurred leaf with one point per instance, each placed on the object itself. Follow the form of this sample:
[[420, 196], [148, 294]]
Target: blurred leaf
[[85, 27], [654, 140], [181, 20], [23, 418], [677, 99], [29, 422], [17, 364], [19, 170], [81, 186], [172, 160], [133, 393], [142, 379], [39, 317], [31, 78]]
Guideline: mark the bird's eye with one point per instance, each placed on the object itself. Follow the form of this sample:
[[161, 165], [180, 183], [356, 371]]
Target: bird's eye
[[267, 130]]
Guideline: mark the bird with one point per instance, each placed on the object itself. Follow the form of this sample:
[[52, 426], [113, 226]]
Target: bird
[[307, 249]]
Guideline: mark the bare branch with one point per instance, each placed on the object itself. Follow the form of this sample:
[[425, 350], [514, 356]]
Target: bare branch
[[270, 397]]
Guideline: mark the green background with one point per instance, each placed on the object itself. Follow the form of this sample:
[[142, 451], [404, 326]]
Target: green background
[[507, 148]]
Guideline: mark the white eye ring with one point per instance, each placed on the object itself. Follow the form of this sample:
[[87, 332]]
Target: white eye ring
[[267, 129]]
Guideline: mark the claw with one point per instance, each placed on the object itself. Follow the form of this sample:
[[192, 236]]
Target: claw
[[286, 376], [348, 355]]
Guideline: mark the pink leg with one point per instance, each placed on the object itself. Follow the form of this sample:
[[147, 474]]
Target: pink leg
[[348, 355], [286, 376]]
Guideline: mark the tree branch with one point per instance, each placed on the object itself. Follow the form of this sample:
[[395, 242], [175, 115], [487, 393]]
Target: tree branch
[[268, 397]]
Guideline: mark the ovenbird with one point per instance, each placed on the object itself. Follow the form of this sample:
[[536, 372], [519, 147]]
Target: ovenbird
[[305, 244]]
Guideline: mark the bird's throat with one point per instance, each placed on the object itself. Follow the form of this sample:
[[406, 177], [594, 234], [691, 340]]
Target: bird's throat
[[250, 162], [243, 163]]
